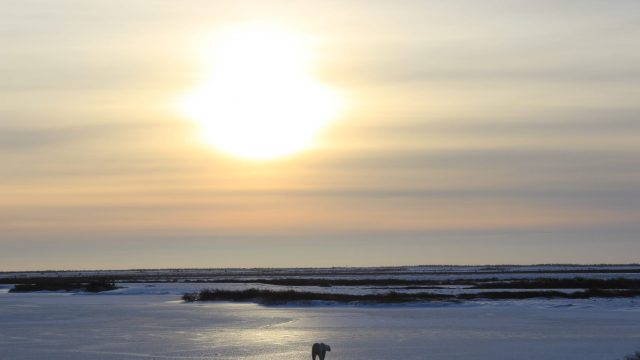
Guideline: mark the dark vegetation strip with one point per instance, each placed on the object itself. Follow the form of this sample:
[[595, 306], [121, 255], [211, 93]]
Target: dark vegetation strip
[[490, 283], [283, 297], [61, 279], [89, 286], [275, 297], [345, 282], [574, 283]]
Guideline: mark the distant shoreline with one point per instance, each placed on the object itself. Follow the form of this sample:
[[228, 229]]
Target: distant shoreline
[[351, 285], [392, 268], [195, 274]]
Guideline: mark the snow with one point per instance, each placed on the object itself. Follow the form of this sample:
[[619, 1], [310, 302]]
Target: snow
[[149, 322]]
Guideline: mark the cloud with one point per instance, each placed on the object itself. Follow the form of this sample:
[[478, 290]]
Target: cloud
[[38, 137]]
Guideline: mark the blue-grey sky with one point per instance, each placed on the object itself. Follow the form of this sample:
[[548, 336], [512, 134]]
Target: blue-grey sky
[[469, 132]]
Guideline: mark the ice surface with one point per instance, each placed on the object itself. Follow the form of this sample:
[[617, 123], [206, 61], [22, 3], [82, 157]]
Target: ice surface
[[147, 322]]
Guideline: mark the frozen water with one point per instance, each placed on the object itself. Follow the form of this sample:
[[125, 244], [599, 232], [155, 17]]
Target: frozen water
[[144, 322]]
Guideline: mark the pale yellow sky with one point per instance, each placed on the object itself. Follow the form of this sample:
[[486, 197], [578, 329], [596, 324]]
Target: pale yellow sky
[[493, 132]]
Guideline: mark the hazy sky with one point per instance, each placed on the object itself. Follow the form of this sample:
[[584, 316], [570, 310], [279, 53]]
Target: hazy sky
[[472, 132]]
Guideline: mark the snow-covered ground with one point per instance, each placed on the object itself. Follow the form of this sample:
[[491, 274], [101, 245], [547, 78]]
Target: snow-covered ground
[[146, 321]]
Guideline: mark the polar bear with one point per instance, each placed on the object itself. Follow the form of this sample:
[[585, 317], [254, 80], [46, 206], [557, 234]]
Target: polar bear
[[319, 350]]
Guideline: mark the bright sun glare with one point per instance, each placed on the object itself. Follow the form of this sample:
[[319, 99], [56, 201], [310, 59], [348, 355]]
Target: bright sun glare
[[261, 100]]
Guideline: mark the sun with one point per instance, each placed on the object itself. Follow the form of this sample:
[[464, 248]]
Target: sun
[[261, 100]]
